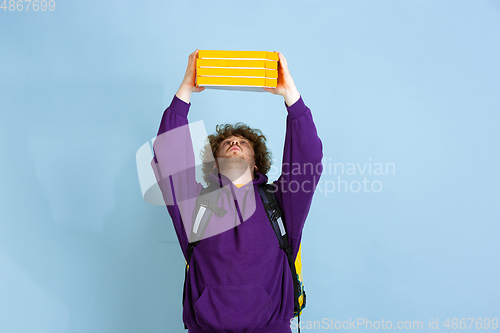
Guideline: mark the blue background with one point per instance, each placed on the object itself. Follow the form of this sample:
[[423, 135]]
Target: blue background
[[414, 83]]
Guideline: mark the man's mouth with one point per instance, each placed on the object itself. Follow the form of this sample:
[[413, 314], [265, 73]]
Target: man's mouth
[[234, 148]]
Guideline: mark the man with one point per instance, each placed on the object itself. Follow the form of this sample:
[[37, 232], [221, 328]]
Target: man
[[238, 278]]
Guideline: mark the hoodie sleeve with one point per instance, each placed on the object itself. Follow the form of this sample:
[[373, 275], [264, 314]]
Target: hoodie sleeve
[[301, 169], [174, 168]]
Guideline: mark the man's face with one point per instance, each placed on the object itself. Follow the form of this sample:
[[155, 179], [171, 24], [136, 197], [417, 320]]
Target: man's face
[[237, 147]]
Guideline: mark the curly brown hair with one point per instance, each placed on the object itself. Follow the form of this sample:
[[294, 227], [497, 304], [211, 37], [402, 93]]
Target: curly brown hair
[[263, 157]]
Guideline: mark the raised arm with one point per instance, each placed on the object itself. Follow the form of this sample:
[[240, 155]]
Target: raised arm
[[176, 114], [174, 162], [303, 151]]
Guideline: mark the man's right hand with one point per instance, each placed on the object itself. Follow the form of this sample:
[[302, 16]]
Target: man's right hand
[[188, 83]]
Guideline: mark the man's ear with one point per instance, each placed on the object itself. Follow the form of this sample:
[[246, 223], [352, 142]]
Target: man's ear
[[256, 168]]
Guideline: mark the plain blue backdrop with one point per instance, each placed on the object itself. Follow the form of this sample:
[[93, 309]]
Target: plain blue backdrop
[[412, 83]]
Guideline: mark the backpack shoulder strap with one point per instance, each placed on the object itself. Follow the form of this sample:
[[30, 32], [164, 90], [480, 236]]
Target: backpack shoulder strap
[[206, 206], [274, 214], [278, 223]]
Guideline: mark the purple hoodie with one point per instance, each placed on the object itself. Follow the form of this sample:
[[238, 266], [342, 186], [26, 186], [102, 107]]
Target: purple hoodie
[[238, 278]]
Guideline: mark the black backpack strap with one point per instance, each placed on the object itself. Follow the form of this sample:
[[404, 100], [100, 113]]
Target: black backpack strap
[[274, 214], [206, 206], [277, 220], [189, 254]]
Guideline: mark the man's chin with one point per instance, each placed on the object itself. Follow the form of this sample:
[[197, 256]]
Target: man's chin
[[233, 159], [234, 154]]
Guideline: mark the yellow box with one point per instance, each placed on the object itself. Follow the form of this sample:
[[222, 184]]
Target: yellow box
[[269, 64], [233, 71], [217, 54], [236, 81]]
